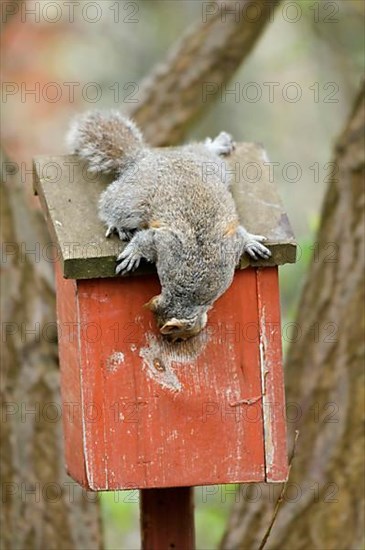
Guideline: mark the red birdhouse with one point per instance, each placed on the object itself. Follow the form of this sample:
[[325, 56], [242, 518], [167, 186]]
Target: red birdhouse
[[139, 411]]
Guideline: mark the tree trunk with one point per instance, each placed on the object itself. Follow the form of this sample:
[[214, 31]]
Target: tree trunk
[[324, 503], [203, 61], [41, 506]]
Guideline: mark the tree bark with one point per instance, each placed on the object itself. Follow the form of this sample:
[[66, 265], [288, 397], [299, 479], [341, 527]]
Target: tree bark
[[324, 505], [195, 70], [41, 506]]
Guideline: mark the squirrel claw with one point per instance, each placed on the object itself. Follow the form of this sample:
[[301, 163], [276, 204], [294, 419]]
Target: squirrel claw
[[130, 260], [124, 234], [255, 249], [129, 264], [110, 231]]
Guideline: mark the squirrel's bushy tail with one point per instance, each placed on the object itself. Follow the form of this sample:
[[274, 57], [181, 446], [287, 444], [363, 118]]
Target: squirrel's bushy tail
[[105, 139]]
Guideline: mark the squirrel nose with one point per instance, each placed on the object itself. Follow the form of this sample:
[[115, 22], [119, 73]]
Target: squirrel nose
[[174, 326], [181, 333], [180, 337]]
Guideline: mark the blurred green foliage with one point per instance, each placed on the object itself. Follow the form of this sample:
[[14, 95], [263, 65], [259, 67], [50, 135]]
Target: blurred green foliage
[[314, 51], [120, 514], [121, 511]]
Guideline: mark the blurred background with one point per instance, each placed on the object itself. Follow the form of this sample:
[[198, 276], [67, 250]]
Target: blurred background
[[293, 94]]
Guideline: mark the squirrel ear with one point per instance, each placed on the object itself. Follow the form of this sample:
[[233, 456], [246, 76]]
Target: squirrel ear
[[153, 303], [174, 325]]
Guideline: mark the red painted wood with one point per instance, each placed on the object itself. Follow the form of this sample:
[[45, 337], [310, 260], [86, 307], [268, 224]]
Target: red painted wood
[[69, 354], [272, 374], [167, 519], [162, 415]]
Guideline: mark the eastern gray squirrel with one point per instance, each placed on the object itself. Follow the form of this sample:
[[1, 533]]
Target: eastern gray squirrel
[[170, 215]]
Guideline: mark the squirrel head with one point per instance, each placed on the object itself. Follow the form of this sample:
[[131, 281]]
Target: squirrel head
[[178, 323]]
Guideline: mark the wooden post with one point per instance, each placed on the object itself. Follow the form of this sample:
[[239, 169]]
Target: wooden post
[[167, 518]]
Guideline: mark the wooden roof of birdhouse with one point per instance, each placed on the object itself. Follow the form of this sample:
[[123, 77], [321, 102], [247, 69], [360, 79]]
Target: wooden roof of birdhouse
[[69, 196]]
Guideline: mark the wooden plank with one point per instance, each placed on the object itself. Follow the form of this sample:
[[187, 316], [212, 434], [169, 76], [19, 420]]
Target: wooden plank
[[273, 400], [69, 197], [167, 519], [259, 206], [168, 414], [69, 353]]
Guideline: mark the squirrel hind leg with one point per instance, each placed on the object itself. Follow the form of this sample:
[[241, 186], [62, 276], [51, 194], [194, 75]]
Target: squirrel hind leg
[[252, 244]]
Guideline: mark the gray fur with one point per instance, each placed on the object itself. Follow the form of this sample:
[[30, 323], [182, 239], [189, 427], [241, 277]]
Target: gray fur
[[186, 223]]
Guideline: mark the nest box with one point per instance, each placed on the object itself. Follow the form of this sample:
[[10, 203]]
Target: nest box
[[138, 411]]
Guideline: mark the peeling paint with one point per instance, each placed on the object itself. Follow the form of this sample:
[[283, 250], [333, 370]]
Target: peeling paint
[[114, 361], [173, 435], [89, 462], [159, 356], [269, 450], [249, 401]]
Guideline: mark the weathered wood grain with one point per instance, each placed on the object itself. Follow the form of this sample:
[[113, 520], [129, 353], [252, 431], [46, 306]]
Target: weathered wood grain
[[69, 197], [167, 518], [149, 413]]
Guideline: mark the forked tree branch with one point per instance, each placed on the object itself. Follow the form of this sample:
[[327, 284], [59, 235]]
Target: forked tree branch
[[206, 57]]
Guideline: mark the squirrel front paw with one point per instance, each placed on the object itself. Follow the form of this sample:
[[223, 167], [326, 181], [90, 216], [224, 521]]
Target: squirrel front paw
[[254, 248], [124, 234], [223, 144], [130, 259]]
